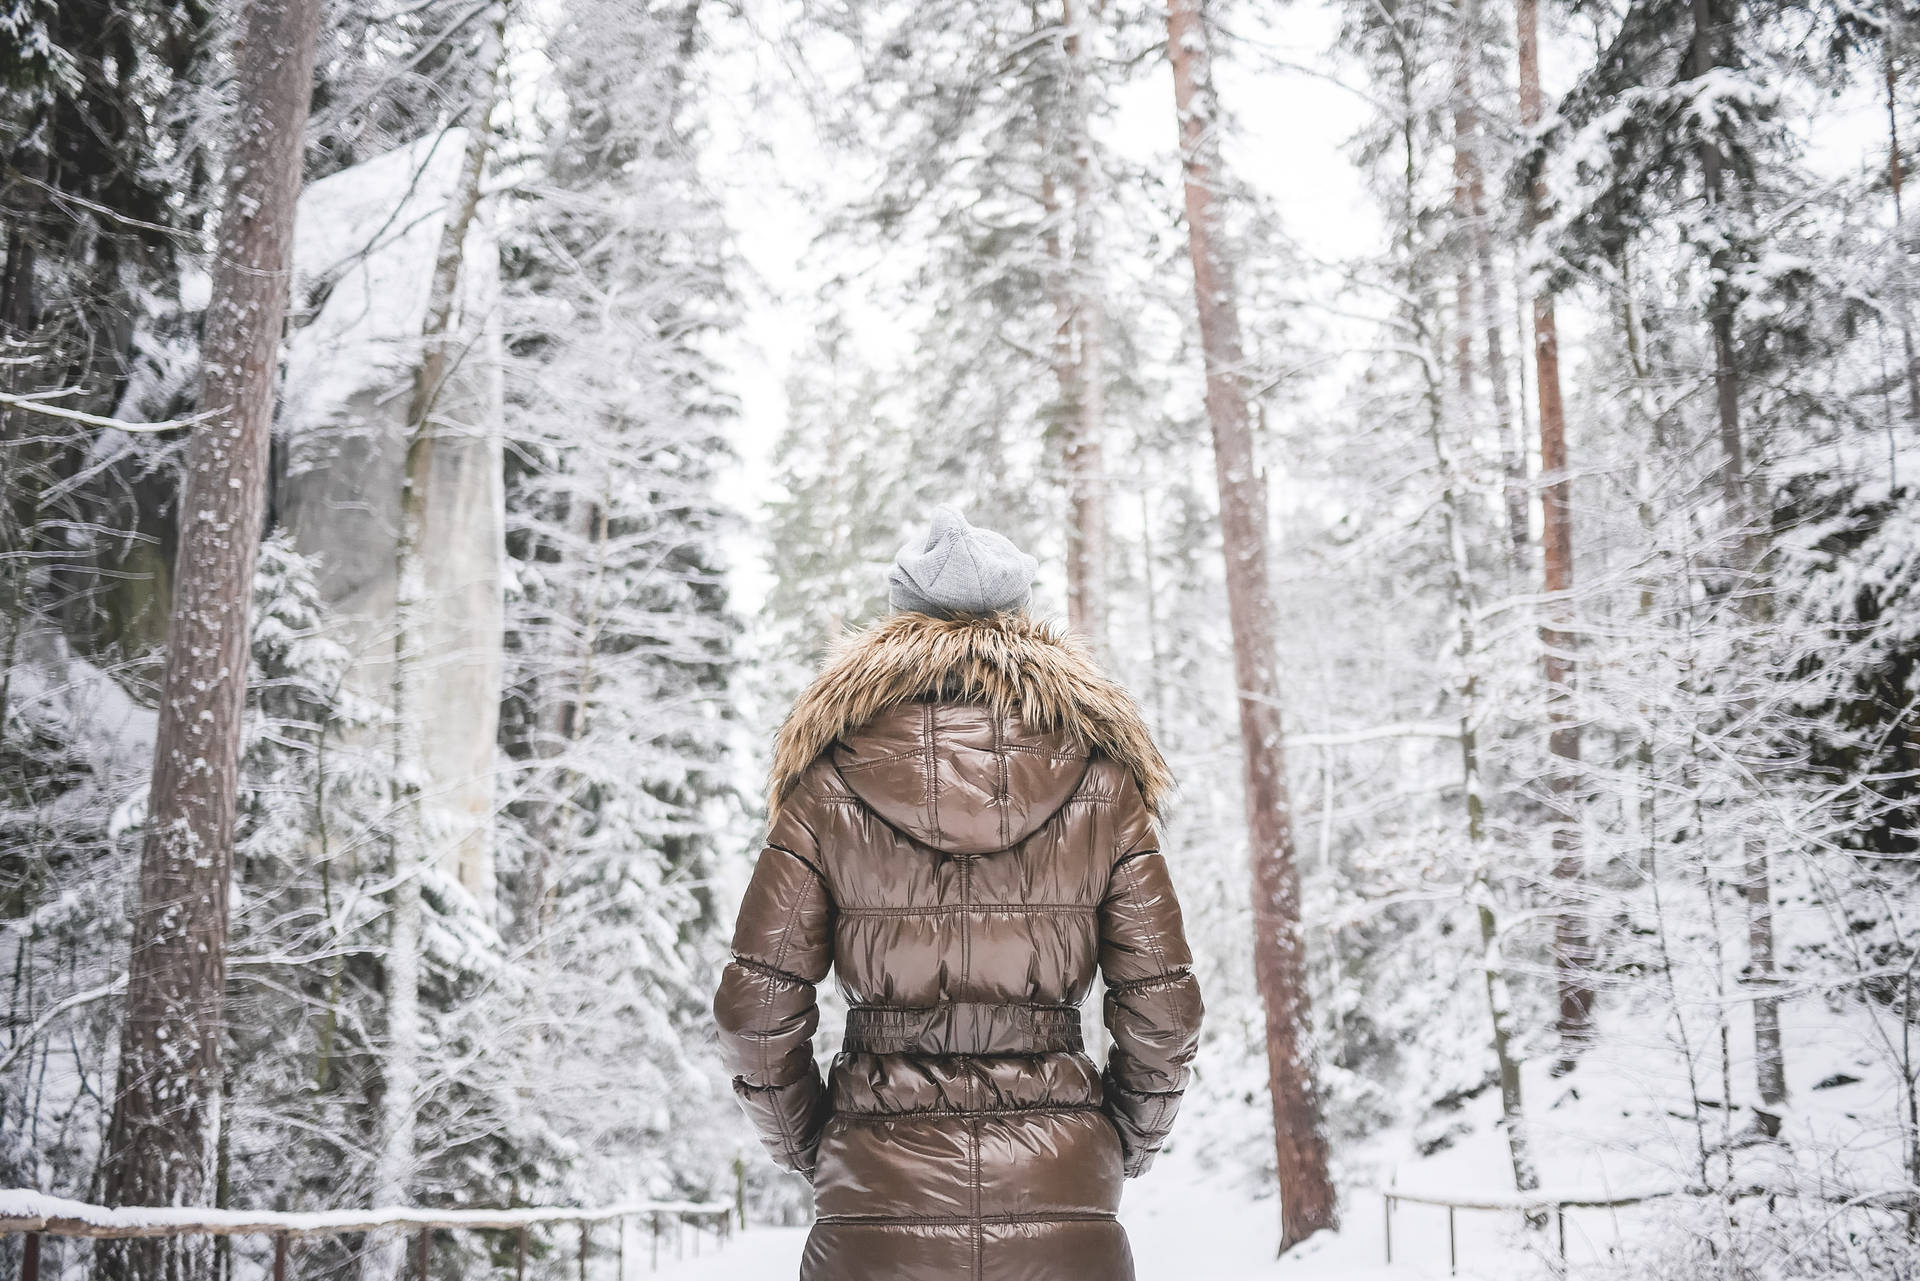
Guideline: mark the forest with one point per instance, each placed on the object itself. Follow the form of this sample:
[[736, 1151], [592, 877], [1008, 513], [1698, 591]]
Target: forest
[[440, 438]]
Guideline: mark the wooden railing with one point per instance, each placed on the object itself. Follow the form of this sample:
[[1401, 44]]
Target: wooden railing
[[1537, 1206], [1532, 1205], [33, 1215]]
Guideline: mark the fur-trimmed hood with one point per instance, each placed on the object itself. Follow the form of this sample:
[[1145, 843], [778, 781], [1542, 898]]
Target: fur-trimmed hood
[[1010, 662]]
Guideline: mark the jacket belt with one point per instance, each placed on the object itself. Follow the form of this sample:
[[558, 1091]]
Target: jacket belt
[[963, 1027]]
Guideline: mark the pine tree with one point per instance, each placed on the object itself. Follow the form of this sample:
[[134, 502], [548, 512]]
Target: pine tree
[[166, 1117], [621, 636], [1307, 1199]]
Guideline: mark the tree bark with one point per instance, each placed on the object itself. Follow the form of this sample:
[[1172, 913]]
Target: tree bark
[[1307, 1199], [1572, 944], [401, 1068], [1479, 288], [1079, 330], [1896, 182], [1707, 54], [166, 1110], [1526, 1177]]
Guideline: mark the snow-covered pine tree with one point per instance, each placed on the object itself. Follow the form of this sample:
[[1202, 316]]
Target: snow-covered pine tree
[[111, 122], [994, 199], [843, 511], [1450, 525], [620, 633]]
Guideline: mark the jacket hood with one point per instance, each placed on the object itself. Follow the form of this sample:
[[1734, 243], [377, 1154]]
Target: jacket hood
[[960, 777], [930, 714]]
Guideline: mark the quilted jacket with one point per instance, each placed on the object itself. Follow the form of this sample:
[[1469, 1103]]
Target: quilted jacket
[[963, 830]]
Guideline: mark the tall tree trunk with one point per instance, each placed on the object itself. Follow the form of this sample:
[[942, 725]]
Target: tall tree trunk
[[1706, 55], [401, 1066], [1078, 341], [1573, 946], [159, 1142], [1307, 1200], [1513, 1116], [1896, 182], [1470, 197]]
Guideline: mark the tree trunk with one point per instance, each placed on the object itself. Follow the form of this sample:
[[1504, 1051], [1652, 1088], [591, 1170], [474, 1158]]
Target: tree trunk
[[1572, 945], [1706, 55], [1079, 330], [1483, 308], [401, 1067], [1896, 182], [1526, 1177], [166, 1112], [1307, 1201]]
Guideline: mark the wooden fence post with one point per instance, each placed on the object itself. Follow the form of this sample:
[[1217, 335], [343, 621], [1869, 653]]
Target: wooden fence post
[[423, 1240], [620, 1249], [584, 1230], [30, 1258], [520, 1254], [1386, 1204], [279, 1256], [655, 1265], [1453, 1250]]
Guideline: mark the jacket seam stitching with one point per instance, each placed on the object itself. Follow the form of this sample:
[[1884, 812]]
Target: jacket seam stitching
[[953, 909], [768, 971], [1030, 749], [855, 767], [1173, 1093], [926, 739], [1164, 1103], [964, 1220], [799, 858], [1002, 798], [969, 1113], [789, 1143], [1168, 978], [1033, 1010], [979, 1233]]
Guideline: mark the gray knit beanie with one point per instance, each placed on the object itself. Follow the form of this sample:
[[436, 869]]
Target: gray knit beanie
[[960, 570]]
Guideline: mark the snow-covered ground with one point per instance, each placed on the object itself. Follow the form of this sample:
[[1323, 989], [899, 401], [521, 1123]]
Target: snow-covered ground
[[1619, 1125], [1206, 1234], [1189, 1226]]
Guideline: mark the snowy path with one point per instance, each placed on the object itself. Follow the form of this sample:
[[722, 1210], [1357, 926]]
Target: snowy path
[[1185, 1228]]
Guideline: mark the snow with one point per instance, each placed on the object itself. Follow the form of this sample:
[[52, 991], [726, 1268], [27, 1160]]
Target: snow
[[368, 236], [1188, 1225], [22, 1210], [54, 690], [1611, 1130]]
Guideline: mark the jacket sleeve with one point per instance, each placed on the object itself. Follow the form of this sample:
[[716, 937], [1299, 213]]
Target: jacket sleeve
[[1152, 1007], [765, 1008]]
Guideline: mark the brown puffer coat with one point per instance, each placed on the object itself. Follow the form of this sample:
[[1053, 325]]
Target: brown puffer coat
[[963, 828]]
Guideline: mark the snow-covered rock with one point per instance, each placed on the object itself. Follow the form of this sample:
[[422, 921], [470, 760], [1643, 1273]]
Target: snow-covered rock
[[366, 243]]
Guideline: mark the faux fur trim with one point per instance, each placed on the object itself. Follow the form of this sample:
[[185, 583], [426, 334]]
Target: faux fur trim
[[1008, 661]]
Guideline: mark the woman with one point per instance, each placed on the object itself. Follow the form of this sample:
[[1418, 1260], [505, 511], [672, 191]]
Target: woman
[[962, 828]]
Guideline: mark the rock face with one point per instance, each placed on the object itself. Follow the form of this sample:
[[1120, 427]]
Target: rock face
[[366, 243]]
